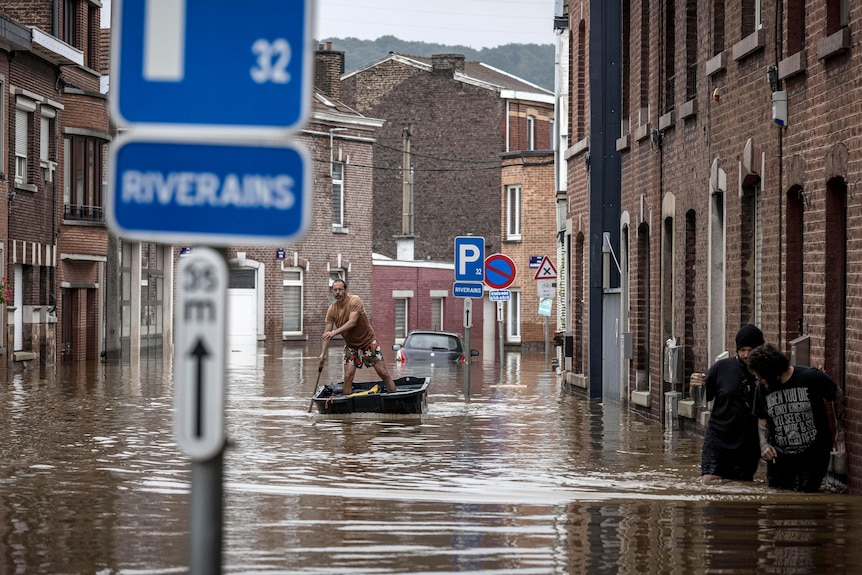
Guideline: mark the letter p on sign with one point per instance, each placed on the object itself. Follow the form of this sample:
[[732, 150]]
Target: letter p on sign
[[469, 258]]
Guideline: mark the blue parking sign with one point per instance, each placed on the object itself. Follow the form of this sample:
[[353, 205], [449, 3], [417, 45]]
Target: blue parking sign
[[469, 259], [211, 63]]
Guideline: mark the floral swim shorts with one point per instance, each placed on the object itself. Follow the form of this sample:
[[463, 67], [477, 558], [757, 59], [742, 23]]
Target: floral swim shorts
[[365, 356]]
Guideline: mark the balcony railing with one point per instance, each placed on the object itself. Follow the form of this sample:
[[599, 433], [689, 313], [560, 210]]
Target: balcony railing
[[83, 213]]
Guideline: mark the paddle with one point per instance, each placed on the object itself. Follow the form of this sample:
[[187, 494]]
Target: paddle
[[319, 370]]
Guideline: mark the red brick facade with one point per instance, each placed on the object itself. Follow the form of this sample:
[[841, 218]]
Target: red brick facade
[[56, 240], [728, 218], [458, 118]]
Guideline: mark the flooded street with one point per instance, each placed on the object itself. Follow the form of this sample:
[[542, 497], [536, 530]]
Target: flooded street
[[522, 479]]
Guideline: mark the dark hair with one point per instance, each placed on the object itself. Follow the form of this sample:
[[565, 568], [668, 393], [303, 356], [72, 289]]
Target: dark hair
[[336, 281], [768, 362]]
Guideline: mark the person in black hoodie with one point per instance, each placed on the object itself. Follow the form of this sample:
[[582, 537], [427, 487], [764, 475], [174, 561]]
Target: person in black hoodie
[[731, 447]]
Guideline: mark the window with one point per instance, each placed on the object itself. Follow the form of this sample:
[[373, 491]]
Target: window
[[717, 27], [93, 25], [751, 17], [626, 60], [400, 318], [513, 318], [837, 15], [82, 179], [22, 128], [552, 137], [531, 133], [645, 59], [669, 54], [292, 301], [691, 45], [337, 195], [437, 313], [46, 141], [795, 26], [24, 108], [513, 212], [70, 22]]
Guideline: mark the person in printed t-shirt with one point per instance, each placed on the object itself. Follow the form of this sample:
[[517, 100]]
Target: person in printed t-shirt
[[795, 435], [730, 443], [346, 317]]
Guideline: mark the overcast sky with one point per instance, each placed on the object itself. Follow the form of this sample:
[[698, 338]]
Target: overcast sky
[[474, 23]]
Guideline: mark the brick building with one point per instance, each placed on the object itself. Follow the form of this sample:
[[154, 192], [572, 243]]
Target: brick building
[[283, 291], [732, 209], [477, 144], [56, 120]]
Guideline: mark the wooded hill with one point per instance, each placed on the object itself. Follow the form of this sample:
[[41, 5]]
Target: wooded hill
[[531, 62]]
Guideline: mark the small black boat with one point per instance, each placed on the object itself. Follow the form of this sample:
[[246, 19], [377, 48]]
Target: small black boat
[[371, 397]]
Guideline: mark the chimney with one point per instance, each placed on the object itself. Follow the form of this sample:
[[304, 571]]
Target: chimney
[[447, 63], [328, 68]]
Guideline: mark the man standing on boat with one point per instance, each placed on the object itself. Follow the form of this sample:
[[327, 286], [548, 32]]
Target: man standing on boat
[[348, 318]]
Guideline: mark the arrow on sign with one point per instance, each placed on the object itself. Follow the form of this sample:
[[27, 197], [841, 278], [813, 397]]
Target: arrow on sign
[[200, 352]]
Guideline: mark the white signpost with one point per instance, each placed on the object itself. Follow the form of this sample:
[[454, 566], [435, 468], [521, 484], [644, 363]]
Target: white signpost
[[200, 353]]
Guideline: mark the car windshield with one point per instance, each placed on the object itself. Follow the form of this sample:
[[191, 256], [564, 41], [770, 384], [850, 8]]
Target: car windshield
[[433, 341]]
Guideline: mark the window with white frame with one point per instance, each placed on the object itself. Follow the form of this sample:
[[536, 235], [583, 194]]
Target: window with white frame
[[437, 313], [531, 132], [337, 195], [401, 305], [513, 212], [292, 301], [513, 318], [24, 108], [553, 142], [438, 301], [46, 141]]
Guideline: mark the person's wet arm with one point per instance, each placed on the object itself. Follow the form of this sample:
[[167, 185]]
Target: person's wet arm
[[767, 452], [326, 338]]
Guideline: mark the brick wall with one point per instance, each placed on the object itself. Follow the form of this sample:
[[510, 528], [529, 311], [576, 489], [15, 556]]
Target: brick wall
[[457, 136], [735, 133], [534, 173], [319, 250], [420, 279]]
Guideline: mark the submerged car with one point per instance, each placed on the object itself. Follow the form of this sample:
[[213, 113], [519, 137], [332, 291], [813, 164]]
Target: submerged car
[[432, 346]]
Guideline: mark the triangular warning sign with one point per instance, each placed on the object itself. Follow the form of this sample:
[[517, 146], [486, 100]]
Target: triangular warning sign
[[546, 270]]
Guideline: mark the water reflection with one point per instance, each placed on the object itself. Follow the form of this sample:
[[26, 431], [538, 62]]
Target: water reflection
[[520, 479]]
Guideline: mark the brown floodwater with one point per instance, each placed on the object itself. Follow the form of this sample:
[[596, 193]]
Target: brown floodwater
[[521, 479]]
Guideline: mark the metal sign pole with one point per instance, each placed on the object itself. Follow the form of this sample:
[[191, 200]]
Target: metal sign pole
[[468, 323], [206, 511], [500, 329]]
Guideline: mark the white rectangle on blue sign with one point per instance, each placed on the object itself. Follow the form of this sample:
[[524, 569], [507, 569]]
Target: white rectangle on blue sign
[[500, 295], [469, 259], [178, 191], [467, 289], [212, 63]]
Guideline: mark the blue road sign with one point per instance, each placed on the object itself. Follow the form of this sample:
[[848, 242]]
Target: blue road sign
[[211, 63], [467, 289], [500, 271], [469, 258], [218, 193]]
